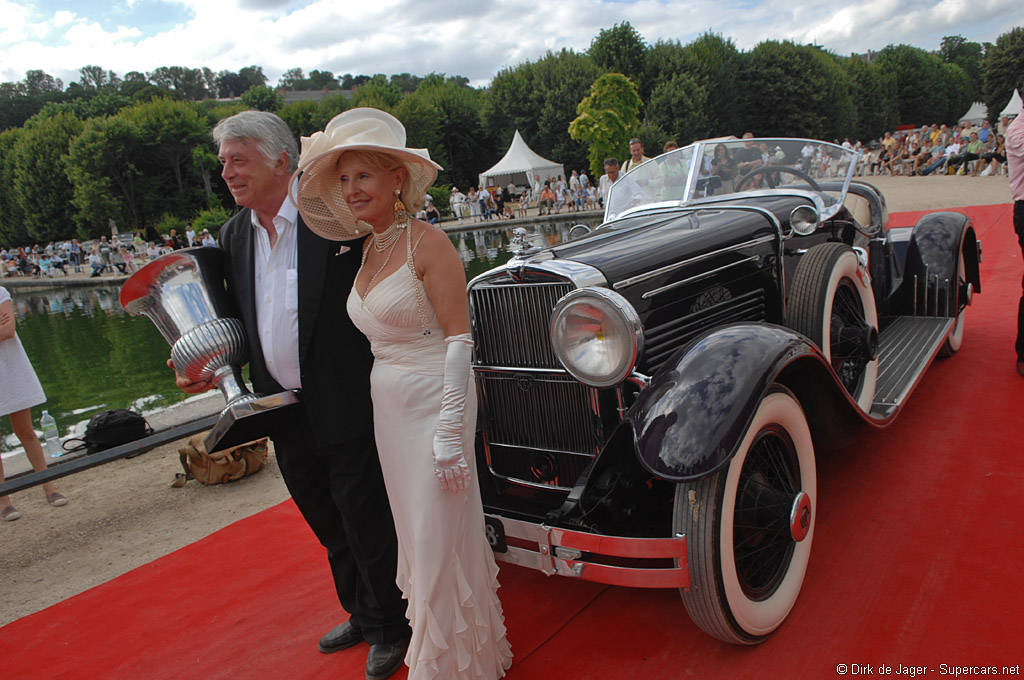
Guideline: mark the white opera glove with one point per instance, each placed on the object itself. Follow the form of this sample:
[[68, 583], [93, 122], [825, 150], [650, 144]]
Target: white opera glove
[[450, 465]]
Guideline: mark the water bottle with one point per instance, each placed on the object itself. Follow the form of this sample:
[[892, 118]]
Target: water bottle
[[51, 435]]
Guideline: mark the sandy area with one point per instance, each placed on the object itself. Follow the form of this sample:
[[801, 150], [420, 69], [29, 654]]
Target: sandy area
[[124, 514]]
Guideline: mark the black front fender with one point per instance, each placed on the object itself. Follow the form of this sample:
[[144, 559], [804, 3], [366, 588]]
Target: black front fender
[[693, 415]]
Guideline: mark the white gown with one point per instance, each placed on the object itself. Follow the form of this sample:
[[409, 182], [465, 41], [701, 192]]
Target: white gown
[[21, 388], [445, 567]]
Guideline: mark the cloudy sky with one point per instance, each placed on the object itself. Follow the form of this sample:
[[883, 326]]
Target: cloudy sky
[[475, 38]]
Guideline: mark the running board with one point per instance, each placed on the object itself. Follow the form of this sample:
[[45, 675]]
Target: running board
[[905, 348]]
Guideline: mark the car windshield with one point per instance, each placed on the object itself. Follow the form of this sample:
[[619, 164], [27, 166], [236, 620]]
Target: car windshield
[[720, 167]]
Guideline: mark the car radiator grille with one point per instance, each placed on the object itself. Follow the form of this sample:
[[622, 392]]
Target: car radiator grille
[[541, 426]]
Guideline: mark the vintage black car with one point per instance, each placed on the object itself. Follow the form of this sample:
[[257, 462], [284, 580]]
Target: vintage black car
[[652, 393]]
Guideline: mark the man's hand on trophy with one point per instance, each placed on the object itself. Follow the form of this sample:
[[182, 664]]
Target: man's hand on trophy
[[186, 385]]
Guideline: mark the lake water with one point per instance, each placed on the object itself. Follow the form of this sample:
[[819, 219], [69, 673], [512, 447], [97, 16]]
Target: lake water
[[90, 355]]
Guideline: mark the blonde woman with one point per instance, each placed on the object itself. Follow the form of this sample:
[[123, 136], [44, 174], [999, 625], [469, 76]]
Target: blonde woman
[[357, 178]]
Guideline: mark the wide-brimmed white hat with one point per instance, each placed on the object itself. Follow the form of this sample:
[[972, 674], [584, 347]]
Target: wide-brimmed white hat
[[320, 200]]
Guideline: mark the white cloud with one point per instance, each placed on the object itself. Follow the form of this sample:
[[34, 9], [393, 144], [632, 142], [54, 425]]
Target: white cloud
[[474, 39], [63, 18]]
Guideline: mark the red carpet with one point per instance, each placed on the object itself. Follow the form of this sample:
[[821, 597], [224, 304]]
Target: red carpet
[[916, 562]]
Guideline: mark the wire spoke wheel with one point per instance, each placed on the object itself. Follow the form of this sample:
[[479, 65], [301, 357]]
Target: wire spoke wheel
[[831, 302], [749, 527]]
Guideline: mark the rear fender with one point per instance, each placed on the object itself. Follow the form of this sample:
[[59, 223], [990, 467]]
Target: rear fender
[[933, 253], [690, 419]]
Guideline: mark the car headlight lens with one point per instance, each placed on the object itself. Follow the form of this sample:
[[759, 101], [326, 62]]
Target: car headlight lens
[[804, 219], [597, 336]]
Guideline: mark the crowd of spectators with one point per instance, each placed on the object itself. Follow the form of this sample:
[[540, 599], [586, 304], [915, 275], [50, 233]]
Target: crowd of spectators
[[116, 255], [964, 149]]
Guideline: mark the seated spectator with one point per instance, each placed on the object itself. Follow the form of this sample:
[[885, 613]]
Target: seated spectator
[[951, 150], [433, 214], [559, 199], [547, 200], [592, 198], [749, 157], [724, 167], [991, 161], [971, 152], [96, 262], [117, 259], [524, 203], [57, 262], [208, 240]]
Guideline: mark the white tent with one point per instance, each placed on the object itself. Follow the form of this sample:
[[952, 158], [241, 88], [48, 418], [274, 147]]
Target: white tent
[[519, 165], [1013, 108], [977, 113]]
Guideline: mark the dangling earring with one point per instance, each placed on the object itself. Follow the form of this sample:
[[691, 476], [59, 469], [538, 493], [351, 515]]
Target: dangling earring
[[401, 215]]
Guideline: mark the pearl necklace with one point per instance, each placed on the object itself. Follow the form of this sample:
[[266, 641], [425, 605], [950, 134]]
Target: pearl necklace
[[387, 238]]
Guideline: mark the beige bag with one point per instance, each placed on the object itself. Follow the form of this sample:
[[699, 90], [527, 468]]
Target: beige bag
[[220, 467]]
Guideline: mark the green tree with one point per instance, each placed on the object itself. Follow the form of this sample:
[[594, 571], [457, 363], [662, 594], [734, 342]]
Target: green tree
[[41, 186], [12, 220], [168, 132], [620, 49], [874, 90], [960, 92], [607, 118], [956, 49], [796, 91], [302, 117], [920, 87], [292, 79], [378, 93], [262, 98], [458, 140], [714, 63], [318, 80], [190, 83], [102, 167], [540, 99], [211, 220], [677, 106], [1003, 70]]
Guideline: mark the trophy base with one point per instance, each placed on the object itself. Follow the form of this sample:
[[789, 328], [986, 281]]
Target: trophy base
[[244, 422]]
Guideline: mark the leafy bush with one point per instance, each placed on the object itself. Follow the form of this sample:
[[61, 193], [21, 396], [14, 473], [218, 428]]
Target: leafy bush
[[168, 222], [211, 220]]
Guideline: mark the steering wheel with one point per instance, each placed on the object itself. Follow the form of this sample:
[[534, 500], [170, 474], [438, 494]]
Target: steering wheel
[[769, 170]]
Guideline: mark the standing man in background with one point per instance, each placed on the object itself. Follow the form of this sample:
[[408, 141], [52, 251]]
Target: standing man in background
[[1015, 163]]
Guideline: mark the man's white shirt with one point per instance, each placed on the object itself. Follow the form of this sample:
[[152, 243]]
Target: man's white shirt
[[277, 295]]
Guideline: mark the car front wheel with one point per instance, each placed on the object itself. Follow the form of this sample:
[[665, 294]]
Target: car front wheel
[[831, 302], [749, 527]]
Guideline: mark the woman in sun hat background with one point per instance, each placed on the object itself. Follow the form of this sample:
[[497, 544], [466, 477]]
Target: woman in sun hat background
[[357, 177]]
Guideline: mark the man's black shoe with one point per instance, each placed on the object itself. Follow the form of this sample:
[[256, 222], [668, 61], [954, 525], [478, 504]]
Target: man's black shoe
[[340, 637], [384, 659]]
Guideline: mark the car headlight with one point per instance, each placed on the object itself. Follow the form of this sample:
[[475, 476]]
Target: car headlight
[[597, 336]]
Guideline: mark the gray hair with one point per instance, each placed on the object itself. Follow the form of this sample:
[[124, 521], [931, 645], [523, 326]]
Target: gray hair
[[269, 132]]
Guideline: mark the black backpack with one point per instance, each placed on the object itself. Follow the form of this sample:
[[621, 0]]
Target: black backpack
[[111, 428]]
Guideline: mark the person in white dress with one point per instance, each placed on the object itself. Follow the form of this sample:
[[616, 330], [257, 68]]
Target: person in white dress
[[356, 178], [20, 392]]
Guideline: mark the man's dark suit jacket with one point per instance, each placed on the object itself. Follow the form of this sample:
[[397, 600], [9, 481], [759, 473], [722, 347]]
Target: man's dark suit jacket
[[334, 357]]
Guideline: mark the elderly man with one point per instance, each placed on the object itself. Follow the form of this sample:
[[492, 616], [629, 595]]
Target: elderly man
[[624, 196], [290, 287]]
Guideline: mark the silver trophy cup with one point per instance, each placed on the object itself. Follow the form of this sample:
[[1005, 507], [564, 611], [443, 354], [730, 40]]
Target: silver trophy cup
[[183, 294]]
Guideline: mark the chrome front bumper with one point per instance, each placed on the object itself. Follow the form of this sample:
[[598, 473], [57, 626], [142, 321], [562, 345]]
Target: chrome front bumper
[[582, 555]]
